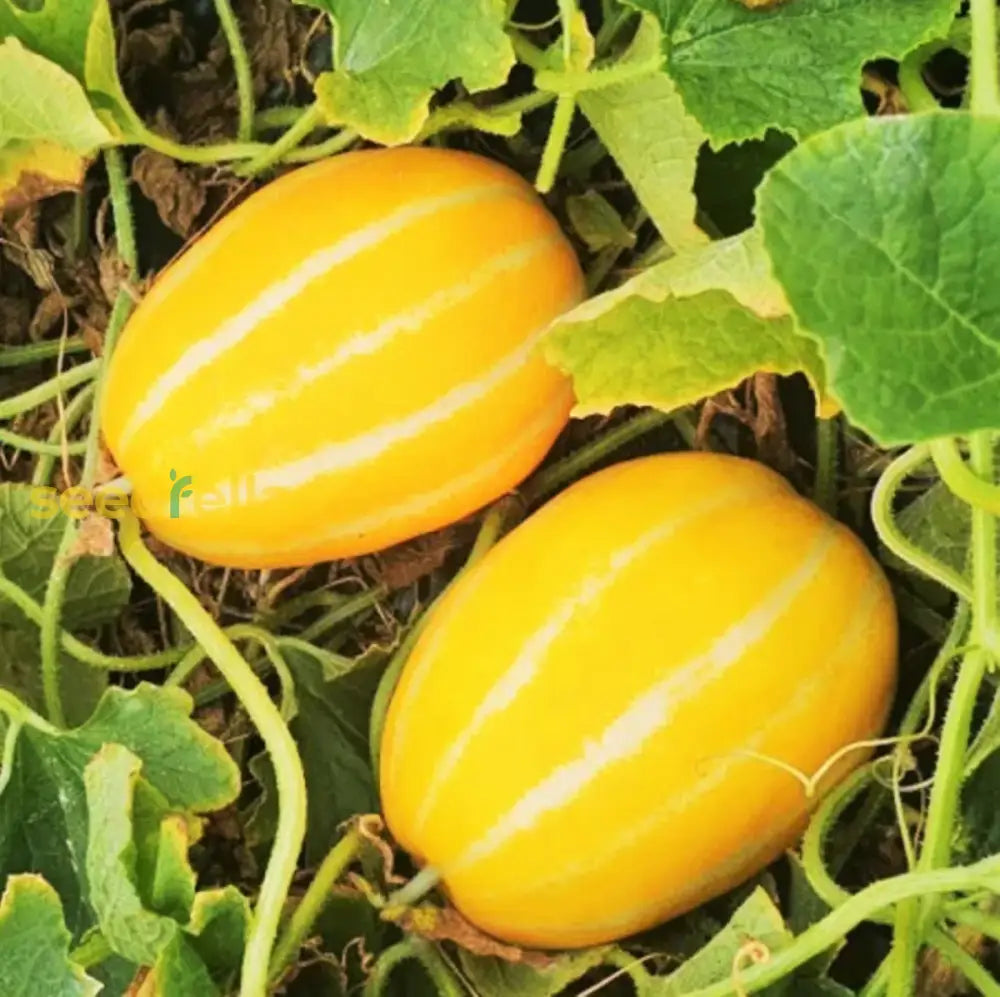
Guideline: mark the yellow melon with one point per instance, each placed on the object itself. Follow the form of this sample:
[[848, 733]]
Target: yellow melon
[[588, 738], [350, 358]]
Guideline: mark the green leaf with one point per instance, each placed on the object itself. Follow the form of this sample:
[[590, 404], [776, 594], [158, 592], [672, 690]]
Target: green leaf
[[940, 523], [197, 943], [597, 223], [47, 127], [492, 977], [692, 326], [78, 36], [218, 929], [40, 102], [98, 587], [756, 920], [882, 233], [179, 972], [644, 126], [334, 697], [392, 56], [34, 943], [112, 867], [979, 834], [80, 685], [43, 813], [795, 67]]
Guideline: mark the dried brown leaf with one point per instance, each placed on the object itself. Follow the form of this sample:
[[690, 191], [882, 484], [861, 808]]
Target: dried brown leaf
[[177, 191], [95, 537], [445, 924]]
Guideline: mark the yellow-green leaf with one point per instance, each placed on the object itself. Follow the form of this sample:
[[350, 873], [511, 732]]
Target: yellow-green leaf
[[697, 324]]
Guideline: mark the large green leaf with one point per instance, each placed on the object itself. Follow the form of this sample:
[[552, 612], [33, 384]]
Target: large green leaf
[[43, 811], [34, 943], [391, 56], [883, 234], [795, 66], [98, 587], [653, 139], [692, 326]]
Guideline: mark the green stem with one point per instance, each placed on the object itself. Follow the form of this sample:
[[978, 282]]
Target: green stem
[[121, 209], [827, 453], [243, 631], [553, 478], [18, 356], [313, 901], [310, 118], [984, 84], [890, 534], [961, 480], [973, 971], [582, 81], [29, 445], [386, 963], [913, 924], [978, 920], [241, 67], [814, 840], [72, 413], [208, 155], [55, 591], [555, 145], [273, 731], [331, 147], [859, 907], [345, 611], [416, 889], [437, 969], [276, 117], [876, 986], [911, 78], [943, 806], [23, 714], [14, 728], [47, 390], [387, 686]]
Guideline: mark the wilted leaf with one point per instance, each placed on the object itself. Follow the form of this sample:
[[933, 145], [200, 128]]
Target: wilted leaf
[[34, 943], [685, 329], [391, 56]]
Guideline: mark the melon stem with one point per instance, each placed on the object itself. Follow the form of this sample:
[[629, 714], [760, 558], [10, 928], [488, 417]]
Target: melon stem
[[416, 889]]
